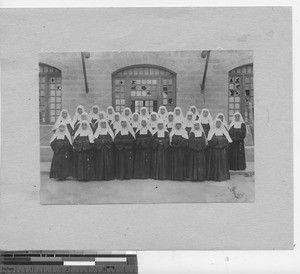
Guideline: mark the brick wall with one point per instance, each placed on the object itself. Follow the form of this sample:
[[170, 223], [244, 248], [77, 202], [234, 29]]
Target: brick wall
[[188, 65]]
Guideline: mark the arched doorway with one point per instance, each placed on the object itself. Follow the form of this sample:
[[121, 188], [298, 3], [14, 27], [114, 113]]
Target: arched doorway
[[240, 92], [143, 85], [50, 94]]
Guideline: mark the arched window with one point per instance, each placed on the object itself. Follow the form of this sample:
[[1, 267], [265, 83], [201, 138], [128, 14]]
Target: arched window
[[143, 85], [50, 93], [240, 92]]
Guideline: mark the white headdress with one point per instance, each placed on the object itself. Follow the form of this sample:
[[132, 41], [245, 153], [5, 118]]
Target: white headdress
[[164, 116], [152, 123], [61, 135], [92, 114], [144, 130], [147, 113], [236, 124], [160, 132], [110, 117], [85, 132], [180, 116], [104, 131], [125, 130], [116, 124], [137, 123], [181, 132], [129, 117], [206, 120], [77, 115], [224, 119], [218, 131], [196, 112], [187, 122], [168, 123], [61, 119]]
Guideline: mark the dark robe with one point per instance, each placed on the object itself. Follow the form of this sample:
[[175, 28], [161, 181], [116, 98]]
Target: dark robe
[[237, 158], [178, 158], [84, 169], [160, 157], [217, 163], [206, 128], [197, 158], [104, 157], [143, 151], [62, 161], [124, 161]]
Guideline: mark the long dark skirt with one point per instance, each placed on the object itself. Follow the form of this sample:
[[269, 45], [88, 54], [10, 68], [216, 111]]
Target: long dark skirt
[[142, 163], [104, 164], [178, 164], [124, 164], [197, 165], [62, 165], [160, 163], [84, 169], [237, 159], [217, 168]]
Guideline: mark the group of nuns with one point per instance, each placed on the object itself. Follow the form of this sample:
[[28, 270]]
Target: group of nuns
[[106, 145]]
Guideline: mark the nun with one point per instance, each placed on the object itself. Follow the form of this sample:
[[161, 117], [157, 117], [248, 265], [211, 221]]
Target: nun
[[170, 122], [178, 157], [237, 131], [83, 117], [163, 113], [221, 116], [143, 151], [197, 158], [136, 121], [78, 112], [84, 169], [110, 114], [124, 146], [127, 114], [189, 121], [160, 152], [195, 112], [153, 120], [94, 114], [61, 144], [116, 123], [64, 117], [144, 113], [104, 154], [178, 114], [217, 163], [206, 120]]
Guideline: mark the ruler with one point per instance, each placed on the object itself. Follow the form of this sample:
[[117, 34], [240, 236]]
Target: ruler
[[59, 262]]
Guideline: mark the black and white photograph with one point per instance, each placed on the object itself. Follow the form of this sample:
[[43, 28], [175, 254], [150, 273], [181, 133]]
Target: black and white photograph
[[146, 127]]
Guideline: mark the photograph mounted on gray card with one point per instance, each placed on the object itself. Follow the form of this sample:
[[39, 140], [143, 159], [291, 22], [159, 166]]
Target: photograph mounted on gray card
[[146, 127]]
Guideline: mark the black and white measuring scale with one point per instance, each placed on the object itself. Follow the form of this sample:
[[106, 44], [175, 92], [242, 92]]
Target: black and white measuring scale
[[59, 262]]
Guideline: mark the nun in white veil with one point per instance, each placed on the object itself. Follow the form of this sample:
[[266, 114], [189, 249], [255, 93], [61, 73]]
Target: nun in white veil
[[144, 113], [143, 151], [64, 117], [217, 163], [206, 120], [79, 110], [189, 121], [195, 112], [136, 121], [222, 117], [110, 112], [127, 114], [104, 154], [84, 169], [124, 144], [61, 144], [238, 132], [178, 114], [163, 113]]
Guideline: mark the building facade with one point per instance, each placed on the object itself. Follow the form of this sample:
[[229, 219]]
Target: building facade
[[151, 79]]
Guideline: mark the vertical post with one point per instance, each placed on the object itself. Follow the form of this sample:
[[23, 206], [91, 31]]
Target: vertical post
[[84, 72], [205, 71]]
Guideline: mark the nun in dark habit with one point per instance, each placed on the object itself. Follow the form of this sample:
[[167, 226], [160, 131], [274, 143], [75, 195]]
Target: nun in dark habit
[[61, 144], [217, 162], [237, 131], [178, 157], [143, 151], [160, 152], [84, 169], [197, 158], [104, 154], [124, 146]]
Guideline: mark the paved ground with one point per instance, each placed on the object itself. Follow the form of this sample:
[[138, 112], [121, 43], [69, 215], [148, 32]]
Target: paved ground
[[147, 191]]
